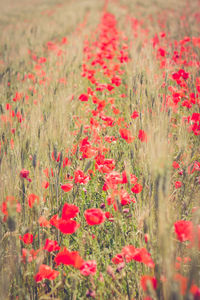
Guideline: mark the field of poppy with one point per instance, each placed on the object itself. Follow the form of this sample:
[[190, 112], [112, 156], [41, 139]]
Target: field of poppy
[[100, 150]]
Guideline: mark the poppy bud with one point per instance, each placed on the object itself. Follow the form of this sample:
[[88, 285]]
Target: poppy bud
[[90, 293], [102, 205], [120, 267]]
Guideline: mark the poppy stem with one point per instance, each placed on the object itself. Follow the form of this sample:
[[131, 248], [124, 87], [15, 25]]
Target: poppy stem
[[23, 199], [127, 286]]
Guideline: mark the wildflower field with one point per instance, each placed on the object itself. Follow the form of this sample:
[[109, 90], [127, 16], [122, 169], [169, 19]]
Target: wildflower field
[[100, 149]]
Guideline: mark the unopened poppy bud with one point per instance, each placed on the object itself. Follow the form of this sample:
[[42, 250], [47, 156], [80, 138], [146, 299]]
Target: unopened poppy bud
[[120, 267], [85, 191], [102, 205], [90, 293], [180, 172]]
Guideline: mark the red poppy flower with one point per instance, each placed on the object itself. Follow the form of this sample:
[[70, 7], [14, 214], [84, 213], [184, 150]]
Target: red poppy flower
[[67, 187], [68, 226], [115, 110], [138, 254], [29, 255], [195, 167], [69, 258], [195, 291], [31, 200], [110, 139], [182, 281], [175, 165], [116, 80], [141, 255], [108, 215], [133, 179], [88, 268], [104, 165], [80, 177], [43, 222], [147, 280], [27, 238], [142, 136], [25, 174], [83, 97], [54, 221], [66, 162], [109, 120], [125, 198], [118, 259], [69, 211], [126, 135], [135, 115], [12, 203], [4, 208], [51, 246], [45, 184], [183, 230], [45, 272], [94, 216], [178, 184], [89, 152], [137, 188], [128, 252], [146, 238], [113, 178]]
